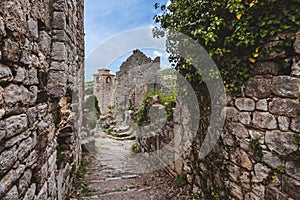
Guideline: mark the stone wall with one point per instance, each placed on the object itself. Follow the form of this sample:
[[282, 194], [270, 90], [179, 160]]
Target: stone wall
[[41, 77], [257, 155], [137, 76]]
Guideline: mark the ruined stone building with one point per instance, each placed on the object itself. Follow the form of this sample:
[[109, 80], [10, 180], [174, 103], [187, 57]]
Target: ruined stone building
[[41, 82], [104, 83], [138, 75]]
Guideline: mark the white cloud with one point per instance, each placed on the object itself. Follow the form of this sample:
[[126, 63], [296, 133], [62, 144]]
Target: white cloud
[[157, 53], [168, 3], [107, 19]]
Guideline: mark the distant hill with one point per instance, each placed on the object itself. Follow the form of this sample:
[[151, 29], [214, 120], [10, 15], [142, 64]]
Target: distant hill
[[169, 77], [88, 88]]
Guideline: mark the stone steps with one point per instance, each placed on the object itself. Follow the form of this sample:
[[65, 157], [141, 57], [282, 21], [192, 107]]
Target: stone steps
[[130, 137], [122, 134]]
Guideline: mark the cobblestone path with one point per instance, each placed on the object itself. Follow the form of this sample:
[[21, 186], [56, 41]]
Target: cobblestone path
[[116, 174]]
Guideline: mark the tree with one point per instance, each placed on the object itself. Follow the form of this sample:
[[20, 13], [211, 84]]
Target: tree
[[234, 32]]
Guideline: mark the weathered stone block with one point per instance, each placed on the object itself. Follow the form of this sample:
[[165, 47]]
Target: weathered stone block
[[12, 176], [234, 172], [24, 181], [292, 169], [271, 160], [260, 172], [58, 52], [295, 124], [245, 104], [20, 74], [14, 93], [273, 193], [16, 124], [11, 51], [236, 190], [280, 142], [291, 187], [33, 28], [258, 87], [43, 192], [266, 68], [31, 159], [283, 123], [5, 73], [59, 66], [251, 196], [259, 190], [7, 159], [227, 139], [45, 42], [30, 194], [12, 194], [57, 78], [286, 86], [245, 118], [59, 35], [286, 107], [241, 158], [238, 130], [32, 114], [59, 21], [25, 147], [264, 120], [232, 113], [16, 139], [262, 105], [31, 77], [60, 5]]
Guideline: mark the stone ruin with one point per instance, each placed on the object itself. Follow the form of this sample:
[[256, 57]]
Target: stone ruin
[[137, 76]]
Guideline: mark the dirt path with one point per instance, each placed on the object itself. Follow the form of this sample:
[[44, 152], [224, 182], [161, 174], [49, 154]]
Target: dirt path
[[116, 174]]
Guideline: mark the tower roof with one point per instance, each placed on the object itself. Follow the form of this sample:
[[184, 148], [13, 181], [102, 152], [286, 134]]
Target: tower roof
[[104, 72]]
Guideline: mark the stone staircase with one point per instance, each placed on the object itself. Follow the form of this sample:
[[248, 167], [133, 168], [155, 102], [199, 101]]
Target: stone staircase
[[115, 130]]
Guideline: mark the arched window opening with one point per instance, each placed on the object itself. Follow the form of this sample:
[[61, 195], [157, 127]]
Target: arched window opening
[[108, 79]]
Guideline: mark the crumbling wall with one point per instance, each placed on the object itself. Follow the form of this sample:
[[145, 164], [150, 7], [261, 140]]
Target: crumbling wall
[[41, 74], [257, 155], [138, 75]]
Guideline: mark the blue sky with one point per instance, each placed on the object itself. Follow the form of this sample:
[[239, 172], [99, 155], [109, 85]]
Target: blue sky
[[106, 20]]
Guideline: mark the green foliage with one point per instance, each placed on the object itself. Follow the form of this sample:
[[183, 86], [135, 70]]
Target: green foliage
[[92, 123], [234, 32], [273, 174], [257, 149], [167, 99], [91, 103], [61, 159], [79, 182], [179, 181], [134, 148]]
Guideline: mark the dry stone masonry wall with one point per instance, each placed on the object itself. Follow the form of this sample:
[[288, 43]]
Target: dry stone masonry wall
[[257, 155], [41, 74]]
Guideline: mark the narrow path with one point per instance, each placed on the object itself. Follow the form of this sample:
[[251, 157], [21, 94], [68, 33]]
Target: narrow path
[[116, 173]]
